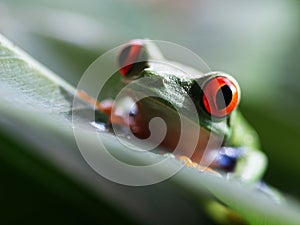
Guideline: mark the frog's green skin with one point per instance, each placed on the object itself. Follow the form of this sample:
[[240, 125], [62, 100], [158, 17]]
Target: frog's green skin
[[173, 85]]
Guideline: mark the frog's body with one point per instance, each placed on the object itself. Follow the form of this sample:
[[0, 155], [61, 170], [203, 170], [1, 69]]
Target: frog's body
[[173, 83], [234, 141]]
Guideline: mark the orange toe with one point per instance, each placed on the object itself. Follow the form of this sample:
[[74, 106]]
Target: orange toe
[[190, 163]]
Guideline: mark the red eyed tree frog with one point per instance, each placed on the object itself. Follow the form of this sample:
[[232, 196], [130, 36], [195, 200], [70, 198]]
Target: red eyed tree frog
[[215, 95]]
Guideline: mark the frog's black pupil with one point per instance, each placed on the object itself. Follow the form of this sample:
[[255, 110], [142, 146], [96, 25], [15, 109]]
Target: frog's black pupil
[[223, 97]]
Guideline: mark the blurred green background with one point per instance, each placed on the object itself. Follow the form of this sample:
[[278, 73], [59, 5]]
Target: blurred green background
[[256, 41]]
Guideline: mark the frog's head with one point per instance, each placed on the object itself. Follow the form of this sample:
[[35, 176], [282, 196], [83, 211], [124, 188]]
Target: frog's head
[[215, 94]]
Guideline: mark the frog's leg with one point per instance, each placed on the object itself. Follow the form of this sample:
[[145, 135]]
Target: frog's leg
[[244, 164], [221, 214], [105, 107], [216, 210], [251, 166], [270, 192], [250, 169]]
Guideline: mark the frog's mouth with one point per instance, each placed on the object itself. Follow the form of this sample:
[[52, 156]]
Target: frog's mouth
[[201, 148]]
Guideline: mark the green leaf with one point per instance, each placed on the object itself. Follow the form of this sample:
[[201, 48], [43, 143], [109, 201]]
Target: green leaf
[[37, 139]]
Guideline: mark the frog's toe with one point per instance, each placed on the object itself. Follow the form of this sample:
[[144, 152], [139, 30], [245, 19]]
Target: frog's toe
[[104, 107], [188, 162], [208, 169], [223, 215]]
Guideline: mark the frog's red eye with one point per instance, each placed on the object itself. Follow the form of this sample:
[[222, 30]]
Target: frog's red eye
[[220, 96], [132, 58]]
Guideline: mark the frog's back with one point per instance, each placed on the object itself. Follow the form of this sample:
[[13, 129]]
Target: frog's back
[[176, 69]]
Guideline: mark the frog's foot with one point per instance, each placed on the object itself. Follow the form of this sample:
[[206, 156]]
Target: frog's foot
[[188, 162], [270, 192], [223, 215], [105, 107]]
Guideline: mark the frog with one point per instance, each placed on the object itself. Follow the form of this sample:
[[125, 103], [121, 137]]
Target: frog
[[215, 96]]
